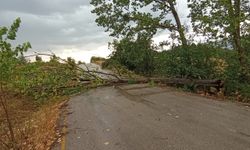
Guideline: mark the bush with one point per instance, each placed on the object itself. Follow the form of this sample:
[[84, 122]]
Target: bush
[[235, 84], [9, 54], [41, 80], [194, 62], [134, 55], [202, 61]]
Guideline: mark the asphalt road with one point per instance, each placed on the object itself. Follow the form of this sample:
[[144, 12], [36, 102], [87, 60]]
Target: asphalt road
[[138, 117]]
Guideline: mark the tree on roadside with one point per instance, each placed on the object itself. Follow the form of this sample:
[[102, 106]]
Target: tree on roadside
[[8, 61], [226, 20], [128, 18], [136, 55]]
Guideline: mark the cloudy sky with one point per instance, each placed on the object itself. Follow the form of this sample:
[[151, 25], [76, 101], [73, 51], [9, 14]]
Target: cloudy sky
[[65, 27]]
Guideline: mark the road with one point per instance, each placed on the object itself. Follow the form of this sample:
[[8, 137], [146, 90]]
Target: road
[[95, 67], [139, 117]]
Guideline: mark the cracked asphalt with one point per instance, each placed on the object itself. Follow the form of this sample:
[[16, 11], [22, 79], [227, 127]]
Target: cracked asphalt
[[140, 117]]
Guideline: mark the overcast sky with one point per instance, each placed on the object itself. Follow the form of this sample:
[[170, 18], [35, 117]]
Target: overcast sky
[[65, 27]]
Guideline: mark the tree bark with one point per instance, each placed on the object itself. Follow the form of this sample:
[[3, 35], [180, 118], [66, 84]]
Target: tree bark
[[180, 29], [9, 124], [235, 14], [169, 81], [237, 35]]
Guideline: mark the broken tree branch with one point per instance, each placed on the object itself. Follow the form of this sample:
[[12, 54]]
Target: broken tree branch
[[91, 73]]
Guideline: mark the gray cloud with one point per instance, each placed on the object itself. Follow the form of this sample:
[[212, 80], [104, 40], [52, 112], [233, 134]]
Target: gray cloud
[[55, 25], [42, 7], [62, 26]]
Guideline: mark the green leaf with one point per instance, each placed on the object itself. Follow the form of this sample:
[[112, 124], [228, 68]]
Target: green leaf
[[3, 31], [13, 29]]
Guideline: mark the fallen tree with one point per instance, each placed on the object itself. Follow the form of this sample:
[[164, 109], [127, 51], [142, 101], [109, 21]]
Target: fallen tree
[[218, 84], [87, 77]]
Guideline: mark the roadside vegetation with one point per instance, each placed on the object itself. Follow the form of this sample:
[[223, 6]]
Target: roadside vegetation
[[32, 93], [223, 54], [195, 62]]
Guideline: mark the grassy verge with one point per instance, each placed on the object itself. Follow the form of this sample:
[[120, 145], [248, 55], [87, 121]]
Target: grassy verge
[[34, 126]]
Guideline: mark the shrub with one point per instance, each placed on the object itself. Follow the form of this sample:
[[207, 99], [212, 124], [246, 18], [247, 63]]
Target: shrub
[[235, 84], [194, 62], [202, 61], [39, 79], [135, 55], [9, 54], [42, 80]]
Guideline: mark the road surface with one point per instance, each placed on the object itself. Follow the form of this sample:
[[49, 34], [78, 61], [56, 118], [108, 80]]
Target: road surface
[[95, 67], [139, 117]]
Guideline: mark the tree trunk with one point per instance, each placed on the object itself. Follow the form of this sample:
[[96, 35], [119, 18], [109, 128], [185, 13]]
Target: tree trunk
[[235, 14], [237, 36], [178, 23], [7, 117]]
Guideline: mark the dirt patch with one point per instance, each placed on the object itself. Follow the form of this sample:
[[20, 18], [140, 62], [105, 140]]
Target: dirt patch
[[34, 127]]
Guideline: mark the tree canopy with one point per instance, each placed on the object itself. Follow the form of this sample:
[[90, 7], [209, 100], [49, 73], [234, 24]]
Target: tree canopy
[[220, 19], [227, 20], [128, 18]]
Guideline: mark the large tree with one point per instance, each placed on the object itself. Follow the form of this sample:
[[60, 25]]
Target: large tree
[[227, 20], [130, 17]]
